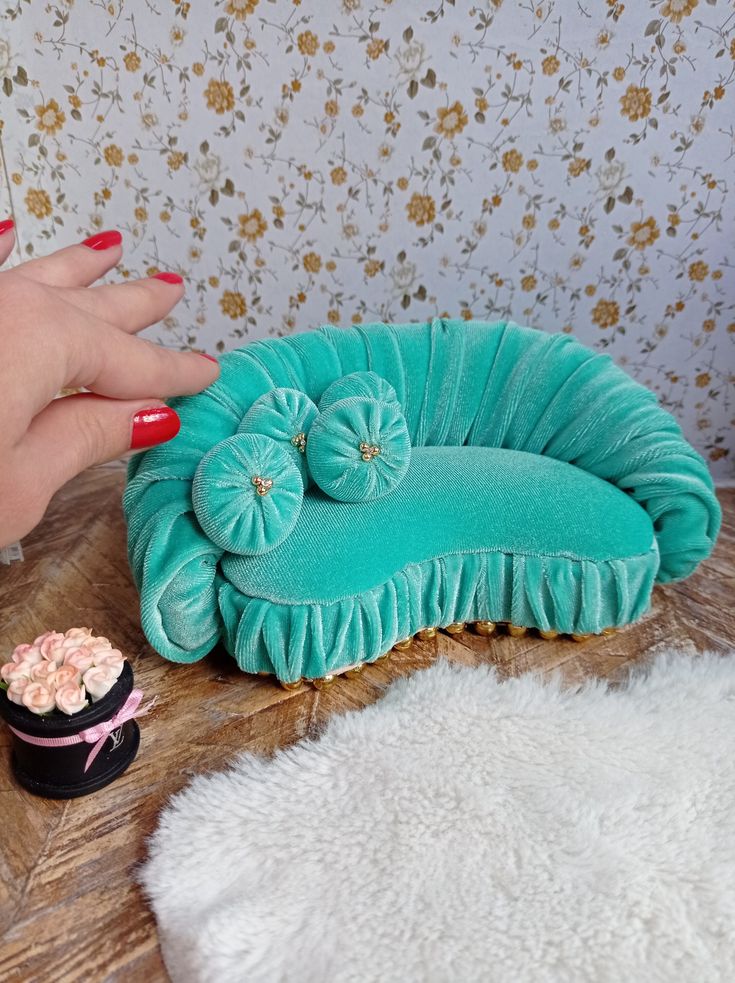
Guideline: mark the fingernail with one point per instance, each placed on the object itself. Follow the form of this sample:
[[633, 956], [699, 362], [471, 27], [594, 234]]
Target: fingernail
[[210, 357], [6, 225], [154, 426], [168, 277], [103, 240]]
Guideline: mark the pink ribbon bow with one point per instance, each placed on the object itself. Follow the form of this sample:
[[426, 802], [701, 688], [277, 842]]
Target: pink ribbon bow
[[96, 735]]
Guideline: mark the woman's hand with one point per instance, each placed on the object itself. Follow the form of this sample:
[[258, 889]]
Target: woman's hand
[[57, 332]]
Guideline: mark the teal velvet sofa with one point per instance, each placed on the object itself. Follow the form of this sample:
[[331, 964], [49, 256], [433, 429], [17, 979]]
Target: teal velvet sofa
[[337, 492]]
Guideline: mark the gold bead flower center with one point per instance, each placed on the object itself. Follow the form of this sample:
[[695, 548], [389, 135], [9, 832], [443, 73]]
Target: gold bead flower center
[[299, 441], [368, 451], [262, 485]]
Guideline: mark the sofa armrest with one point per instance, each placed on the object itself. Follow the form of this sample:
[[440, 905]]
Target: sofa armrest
[[562, 400]]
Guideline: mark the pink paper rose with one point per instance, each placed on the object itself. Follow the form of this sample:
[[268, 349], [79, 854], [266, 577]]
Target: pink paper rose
[[44, 672], [26, 653], [81, 658], [112, 658], [78, 635], [38, 698], [55, 645], [15, 670], [15, 690], [50, 643], [71, 698], [33, 655], [99, 644], [99, 680], [67, 674]]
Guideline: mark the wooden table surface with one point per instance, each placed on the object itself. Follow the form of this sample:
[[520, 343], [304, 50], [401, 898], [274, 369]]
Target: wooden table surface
[[69, 903]]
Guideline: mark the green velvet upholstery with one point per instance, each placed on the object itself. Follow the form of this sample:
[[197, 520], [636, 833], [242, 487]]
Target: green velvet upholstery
[[545, 487]]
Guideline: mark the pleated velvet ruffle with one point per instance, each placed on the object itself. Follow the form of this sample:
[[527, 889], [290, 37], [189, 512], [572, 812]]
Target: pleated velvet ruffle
[[313, 640], [458, 383]]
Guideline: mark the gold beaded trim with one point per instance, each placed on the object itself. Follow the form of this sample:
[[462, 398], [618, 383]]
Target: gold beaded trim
[[369, 451], [262, 485], [484, 628], [299, 441]]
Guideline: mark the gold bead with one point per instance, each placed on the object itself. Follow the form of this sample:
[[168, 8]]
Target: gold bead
[[379, 658], [291, 686], [516, 631], [548, 634], [322, 682], [354, 671], [581, 638], [609, 631], [456, 628], [265, 673], [403, 645], [485, 628], [426, 634]]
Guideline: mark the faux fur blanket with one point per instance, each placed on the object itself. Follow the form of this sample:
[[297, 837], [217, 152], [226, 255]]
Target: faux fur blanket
[[468, 829]]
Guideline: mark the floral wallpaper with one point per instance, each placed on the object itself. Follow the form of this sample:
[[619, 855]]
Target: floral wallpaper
[[567, 165]]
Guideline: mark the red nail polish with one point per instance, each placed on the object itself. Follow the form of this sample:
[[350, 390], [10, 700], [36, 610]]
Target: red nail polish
[[6, 225], [168, 277], [154, 426], [210, 357], [103, 240]]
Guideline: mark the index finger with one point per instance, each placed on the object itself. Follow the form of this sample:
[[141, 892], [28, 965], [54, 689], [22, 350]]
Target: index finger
[[112, 363]]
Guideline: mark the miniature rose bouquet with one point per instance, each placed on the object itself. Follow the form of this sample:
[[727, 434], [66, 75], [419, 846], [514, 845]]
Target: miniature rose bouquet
[[61, 671], [70, 703]]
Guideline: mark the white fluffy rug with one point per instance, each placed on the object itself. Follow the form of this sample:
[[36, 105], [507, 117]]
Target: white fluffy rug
[[466, 829]]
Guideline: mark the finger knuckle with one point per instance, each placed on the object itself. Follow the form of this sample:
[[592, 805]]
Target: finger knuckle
[[160, 367], [92, 437]]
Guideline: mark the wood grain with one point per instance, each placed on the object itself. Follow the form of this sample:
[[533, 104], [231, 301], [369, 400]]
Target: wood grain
[[67, 869]]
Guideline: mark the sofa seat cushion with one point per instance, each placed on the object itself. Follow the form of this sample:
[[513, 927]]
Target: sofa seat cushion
[[472, 533]]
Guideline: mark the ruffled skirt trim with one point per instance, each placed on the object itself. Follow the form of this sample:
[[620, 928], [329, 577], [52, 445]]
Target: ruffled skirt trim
[[545, 592]]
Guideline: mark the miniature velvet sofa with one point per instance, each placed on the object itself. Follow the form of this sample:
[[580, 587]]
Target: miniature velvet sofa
[[337, 492]]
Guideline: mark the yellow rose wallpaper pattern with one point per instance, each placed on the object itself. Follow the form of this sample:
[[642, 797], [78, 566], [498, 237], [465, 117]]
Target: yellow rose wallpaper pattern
[[566, 165]]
